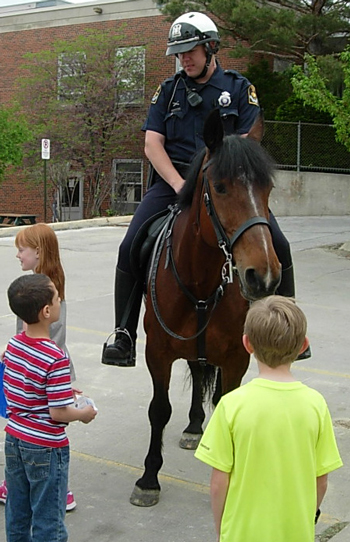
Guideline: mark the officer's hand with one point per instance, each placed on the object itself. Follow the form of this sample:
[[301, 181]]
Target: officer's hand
[[178, 185]]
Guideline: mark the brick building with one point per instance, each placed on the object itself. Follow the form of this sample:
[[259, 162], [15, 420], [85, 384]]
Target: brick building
[[36, 29]]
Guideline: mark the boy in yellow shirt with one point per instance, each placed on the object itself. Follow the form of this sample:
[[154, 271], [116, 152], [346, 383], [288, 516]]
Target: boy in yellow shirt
[[270, 442]]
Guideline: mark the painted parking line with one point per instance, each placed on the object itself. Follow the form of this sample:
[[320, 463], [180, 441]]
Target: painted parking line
[[193, 486], [196, 487], [320, 372]]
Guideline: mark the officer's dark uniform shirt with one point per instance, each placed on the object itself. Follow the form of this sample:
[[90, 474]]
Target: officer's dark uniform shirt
[[171, 114]]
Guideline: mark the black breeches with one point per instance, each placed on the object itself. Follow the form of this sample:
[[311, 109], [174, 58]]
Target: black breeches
[[280, 243], [156, 199]]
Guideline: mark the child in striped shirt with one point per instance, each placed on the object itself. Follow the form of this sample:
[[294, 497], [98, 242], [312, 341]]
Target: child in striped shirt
[[40, 404]]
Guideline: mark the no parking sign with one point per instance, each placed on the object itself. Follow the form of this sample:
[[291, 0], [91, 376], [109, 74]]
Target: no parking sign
[[45, 149]]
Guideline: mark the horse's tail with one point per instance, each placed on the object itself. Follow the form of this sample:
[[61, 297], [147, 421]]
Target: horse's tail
[[208, 381], [211, 376]]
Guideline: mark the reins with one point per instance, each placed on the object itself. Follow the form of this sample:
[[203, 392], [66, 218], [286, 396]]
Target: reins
[[200, 305], [227, 272]]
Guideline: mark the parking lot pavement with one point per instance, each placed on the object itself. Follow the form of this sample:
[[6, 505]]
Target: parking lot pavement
[[107, 455]]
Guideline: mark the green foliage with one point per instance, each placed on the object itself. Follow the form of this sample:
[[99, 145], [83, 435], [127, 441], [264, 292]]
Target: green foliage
[[85, 96], [286, 30], [273, 88], [14, 133], [312, 87], [314, 136], [293, 109]]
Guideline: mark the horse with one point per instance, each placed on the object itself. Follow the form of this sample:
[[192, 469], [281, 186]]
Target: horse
[[214, 256]]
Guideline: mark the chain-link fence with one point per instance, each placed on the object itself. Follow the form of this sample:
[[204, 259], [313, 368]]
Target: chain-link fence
[[304, 146]]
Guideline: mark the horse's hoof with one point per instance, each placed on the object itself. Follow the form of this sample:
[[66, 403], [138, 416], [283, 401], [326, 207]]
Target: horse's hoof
[[189, 441], [144, 497]]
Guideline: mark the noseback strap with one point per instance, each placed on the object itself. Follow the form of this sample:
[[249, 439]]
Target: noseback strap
[[219, 230], [246, 225]]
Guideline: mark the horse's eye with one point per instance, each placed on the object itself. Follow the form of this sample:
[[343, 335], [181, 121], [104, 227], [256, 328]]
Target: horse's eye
[[220, 188]]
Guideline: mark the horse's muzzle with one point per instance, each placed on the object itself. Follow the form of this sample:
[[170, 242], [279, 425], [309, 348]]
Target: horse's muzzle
[[254, 286]]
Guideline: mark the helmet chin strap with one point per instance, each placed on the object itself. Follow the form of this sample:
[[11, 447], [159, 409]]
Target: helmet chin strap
[[209, 54]]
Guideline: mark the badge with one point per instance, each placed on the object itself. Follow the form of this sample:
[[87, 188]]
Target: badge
[[156, 95], [225, 99], [176, 31], [252, 96]]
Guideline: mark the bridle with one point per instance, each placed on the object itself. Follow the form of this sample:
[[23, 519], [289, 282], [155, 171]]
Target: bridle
[[224, 242], [227, 272]]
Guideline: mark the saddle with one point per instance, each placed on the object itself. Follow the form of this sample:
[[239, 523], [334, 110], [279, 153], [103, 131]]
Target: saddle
[[144, 242]]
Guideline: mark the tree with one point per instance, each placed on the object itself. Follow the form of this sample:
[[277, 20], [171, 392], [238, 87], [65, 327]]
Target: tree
[[283, 29], [312, 87], [13, 133], [85, 96], [273, 87]]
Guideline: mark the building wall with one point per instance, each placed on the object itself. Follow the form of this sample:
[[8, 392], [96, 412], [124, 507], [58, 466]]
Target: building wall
[[32, 31]]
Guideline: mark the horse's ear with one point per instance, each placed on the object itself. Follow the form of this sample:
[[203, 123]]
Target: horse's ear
[[258, 129], [213, 131]]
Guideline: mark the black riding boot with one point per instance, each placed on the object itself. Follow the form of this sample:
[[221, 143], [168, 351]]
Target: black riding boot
[[128, 297], [287, 289]]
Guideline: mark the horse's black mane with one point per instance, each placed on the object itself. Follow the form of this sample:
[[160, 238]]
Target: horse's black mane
[[186, 195], [237, 158]]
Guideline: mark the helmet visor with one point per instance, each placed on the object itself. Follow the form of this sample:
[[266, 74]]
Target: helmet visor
[[182, 46]]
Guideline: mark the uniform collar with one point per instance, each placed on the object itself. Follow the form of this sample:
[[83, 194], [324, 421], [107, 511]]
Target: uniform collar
[[214, 81]]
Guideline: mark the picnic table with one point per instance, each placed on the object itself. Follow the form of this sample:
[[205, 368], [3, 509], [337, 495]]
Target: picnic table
[[16, 219]]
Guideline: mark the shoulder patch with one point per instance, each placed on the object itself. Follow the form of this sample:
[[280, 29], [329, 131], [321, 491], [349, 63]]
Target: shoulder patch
[[156, 95], [252, 96]]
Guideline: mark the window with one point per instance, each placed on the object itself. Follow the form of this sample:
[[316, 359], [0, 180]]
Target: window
[[127, 186], [71, 71], [128, 78], [130, 75], [71, 192]]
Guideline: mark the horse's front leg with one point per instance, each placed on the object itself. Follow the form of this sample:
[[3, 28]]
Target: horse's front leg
[[193, 432], [147, 489]]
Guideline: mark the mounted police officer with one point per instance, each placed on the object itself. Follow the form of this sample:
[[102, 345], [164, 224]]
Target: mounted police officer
[[173, 134]]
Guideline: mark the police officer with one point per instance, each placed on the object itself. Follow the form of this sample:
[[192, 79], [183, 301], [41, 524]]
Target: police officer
[[173, 134]]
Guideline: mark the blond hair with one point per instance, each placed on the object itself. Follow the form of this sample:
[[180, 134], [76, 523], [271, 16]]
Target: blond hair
[[42, 237], [276, 328]]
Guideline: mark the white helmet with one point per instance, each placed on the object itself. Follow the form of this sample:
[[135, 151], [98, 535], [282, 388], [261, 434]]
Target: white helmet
[[190, 30]]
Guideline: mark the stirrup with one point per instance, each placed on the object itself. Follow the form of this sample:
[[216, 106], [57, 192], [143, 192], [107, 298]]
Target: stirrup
[[305, 355], [128, 360]]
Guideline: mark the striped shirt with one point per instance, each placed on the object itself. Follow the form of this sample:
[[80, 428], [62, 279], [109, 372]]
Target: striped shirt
[[36, 378]]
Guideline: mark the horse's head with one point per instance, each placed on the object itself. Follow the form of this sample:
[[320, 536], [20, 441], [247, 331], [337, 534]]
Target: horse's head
[[238, 178]]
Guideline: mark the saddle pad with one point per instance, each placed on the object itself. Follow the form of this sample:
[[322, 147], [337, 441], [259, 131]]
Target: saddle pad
[[144, 241]]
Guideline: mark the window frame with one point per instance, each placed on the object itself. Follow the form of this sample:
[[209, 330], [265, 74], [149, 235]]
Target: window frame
[[129, 204]]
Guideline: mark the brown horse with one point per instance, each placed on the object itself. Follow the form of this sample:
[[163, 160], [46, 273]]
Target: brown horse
[[195, 307]]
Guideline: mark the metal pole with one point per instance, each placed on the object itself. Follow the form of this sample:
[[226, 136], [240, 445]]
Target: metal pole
[[45, 190], [299, 146]]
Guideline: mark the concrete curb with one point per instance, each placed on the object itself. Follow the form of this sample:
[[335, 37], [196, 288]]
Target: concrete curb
[[345, 247], [96, 223], [75, 224]]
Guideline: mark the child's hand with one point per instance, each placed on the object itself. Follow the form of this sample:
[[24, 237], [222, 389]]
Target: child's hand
[[88, 414], [76, 392]]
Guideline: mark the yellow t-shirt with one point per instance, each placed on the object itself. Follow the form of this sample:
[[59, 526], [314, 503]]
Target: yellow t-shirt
[[274, 438]]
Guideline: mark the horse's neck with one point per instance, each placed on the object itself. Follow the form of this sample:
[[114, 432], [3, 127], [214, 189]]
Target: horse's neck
[[198, 263]]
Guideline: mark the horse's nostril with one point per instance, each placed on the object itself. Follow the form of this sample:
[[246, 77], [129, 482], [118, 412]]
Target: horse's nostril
[[253, 280], [259, 285]]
